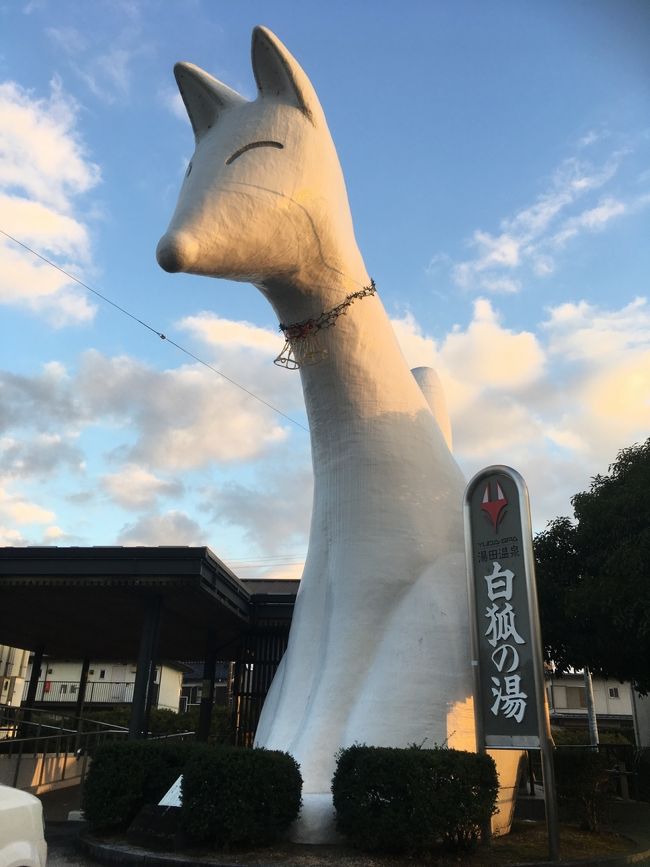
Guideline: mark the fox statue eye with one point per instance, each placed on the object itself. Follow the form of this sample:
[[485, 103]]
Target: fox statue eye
[[254, 144]]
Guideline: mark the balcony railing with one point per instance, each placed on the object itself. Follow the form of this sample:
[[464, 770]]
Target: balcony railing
[[97, 692]]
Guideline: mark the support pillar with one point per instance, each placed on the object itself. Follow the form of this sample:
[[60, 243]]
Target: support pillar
[[30, 699], [81, 698], [146, 670], [207, 688]]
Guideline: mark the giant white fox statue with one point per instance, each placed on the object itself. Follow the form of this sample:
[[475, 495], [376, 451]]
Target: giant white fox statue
[[379, 645]]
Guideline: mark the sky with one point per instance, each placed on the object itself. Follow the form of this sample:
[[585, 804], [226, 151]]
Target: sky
[[497, 159]]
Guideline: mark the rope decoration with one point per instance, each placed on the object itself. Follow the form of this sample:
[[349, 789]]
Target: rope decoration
[[302, 347]]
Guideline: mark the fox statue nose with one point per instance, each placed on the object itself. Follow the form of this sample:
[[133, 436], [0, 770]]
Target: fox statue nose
[[176, 251]]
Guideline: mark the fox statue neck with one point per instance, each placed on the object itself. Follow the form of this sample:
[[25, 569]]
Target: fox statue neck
[[362, 379]]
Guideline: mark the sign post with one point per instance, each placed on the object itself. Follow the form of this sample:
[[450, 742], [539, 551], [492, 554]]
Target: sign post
[[509, 693]]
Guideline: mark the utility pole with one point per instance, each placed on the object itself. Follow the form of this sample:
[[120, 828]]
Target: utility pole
[[591, 710]]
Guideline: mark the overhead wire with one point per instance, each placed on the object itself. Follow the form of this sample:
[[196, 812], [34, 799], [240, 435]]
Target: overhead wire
[[159, 334]]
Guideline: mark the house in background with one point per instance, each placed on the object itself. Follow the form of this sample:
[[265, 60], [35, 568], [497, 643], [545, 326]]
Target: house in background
[[614, 704], [13, 674], [192, 689], [109, 683]]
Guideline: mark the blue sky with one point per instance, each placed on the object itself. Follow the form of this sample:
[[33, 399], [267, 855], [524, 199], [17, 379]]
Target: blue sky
[[497, 161]]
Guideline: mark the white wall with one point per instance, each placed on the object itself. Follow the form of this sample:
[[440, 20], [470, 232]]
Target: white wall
[[107, 682], [13, 670], [171, 681], [567, 695]]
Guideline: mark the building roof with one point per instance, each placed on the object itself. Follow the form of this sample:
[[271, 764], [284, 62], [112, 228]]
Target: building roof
[[78, 602]]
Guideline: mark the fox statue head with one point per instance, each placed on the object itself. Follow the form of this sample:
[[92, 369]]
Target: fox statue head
[[263, 199]]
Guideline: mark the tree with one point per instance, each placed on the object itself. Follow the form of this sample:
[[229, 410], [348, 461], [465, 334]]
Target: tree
[[593, 575]]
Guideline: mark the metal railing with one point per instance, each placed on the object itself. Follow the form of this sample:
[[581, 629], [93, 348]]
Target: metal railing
[[48, 748], [98, 692], [53, 748]]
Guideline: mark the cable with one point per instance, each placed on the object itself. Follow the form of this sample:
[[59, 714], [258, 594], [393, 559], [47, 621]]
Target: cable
[[153, 330]]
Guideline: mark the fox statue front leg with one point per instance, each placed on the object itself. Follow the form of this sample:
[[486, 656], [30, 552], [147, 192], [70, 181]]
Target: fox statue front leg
[[378, 651]]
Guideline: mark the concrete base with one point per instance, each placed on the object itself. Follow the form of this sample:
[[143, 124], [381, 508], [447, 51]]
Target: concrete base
[[509, 763], [316, 823]]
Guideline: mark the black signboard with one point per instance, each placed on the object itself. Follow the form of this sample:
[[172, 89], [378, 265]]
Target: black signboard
[[505, 626]]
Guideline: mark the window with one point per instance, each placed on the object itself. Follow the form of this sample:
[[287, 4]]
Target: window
[[73, 688], [63, 688], [91, 671], [575, 697], [102, 673], [613, 692]]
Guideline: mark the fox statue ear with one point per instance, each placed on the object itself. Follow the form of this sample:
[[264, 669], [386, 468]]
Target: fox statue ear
[[204, 97], [278, 74]]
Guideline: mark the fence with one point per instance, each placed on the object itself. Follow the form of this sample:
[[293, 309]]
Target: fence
[[100, 692], [622, 764]]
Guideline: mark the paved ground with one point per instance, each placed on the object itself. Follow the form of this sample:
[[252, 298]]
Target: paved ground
[[61, 844], [627, 817], [60, 834]]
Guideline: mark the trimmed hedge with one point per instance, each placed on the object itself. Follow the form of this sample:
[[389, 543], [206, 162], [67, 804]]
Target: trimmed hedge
[[235, 796], [411, 800], [125, 775], [580, 779]]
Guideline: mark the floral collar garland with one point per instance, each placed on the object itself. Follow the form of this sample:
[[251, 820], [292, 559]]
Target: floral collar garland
[[301, 346]]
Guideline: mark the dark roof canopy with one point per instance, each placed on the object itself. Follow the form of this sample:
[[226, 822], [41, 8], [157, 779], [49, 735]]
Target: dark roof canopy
[[91, 602]]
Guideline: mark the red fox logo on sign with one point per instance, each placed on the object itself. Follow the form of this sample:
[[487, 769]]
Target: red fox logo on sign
[[494, 507]]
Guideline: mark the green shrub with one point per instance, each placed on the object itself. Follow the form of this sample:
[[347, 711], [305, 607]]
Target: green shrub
[[580, 737], [234, 795], [221, 724], [580, 777], [163, 721], [398, 800], [126, 775]]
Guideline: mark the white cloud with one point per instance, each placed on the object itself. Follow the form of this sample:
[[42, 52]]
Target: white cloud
[[136, 488], [484, 356], [44, 173], [21, 511], [227, 334], [182, 418], [170, 528], [501, 285], [11, 538], [589, 138], [39, 457], [557, 405], [274, 513], [54, 534], [530, 240], [41, 153], [583, 331], [592, 220], [103, 61]]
